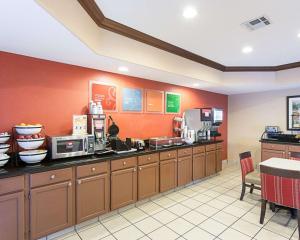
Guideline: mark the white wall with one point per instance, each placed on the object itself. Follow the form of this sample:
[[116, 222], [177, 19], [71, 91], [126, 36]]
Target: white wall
[[249, 114]]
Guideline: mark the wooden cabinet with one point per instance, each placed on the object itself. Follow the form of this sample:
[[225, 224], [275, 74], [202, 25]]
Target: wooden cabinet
[[168, 175], [198, 166], [92, 192], [268, 153], [12, 216], [51, 202], [148, 180], [210, 163], [123, 187], [50, 209], [219, 160], [185, 168]]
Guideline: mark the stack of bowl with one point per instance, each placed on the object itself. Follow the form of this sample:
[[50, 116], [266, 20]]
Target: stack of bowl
[[30, 139], [4, 147]]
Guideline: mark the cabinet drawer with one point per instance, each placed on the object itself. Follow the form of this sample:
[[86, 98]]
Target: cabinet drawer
[[272, 146], [50, 177], [12, 184], [149, 158], [92, 169], [185, 152], [219, 145], [292, 148], [210, 147], [123, 163], [168, 155], [197, 150]]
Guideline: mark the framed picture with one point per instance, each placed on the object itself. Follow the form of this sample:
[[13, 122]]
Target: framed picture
[[293, 113], [132, 100], [104, 92], [154, 101], [173, 102]]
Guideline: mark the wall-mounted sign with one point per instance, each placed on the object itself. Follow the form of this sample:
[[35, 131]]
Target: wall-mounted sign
[[105, 93], [79, 124], [154, 101], [173, 102], [132, 100], [293, 113]]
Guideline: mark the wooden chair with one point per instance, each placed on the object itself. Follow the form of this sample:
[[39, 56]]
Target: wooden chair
[[250, 177], [281, 187]]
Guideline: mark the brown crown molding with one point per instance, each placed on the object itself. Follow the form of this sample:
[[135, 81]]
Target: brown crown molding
[[98, 17]]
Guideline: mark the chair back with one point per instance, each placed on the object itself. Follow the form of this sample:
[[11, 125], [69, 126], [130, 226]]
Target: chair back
[[294, 156], [280, 186], [247, 165]]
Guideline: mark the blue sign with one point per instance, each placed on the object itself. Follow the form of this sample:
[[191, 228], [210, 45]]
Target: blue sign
[[132, 100]]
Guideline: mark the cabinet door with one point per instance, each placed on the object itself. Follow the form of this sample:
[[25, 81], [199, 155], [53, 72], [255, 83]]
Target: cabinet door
[[266, 154], [168, 175], [185, 173], [92, 197], [50, 209], [123, 188], [198, 166], [219, 160], [12, 216], [148, 180], [210, 163]]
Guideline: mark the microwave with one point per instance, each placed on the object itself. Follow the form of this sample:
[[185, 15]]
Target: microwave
[[71, 146]]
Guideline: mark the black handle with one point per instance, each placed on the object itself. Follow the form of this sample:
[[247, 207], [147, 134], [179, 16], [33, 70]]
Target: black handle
[[111, 118]]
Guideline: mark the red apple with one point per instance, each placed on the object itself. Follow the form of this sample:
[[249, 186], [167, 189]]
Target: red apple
[[35, 136], [21, 137]]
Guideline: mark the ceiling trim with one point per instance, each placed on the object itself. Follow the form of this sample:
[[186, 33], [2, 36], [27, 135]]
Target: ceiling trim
[[98, 17]]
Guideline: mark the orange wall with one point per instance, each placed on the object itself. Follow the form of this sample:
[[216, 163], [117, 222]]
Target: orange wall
[[39, 91]]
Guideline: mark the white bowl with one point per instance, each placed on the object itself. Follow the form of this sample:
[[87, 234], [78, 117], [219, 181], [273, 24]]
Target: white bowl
[[4, 138], [4, 148], [34, 156], [29, 129], [3, 162], [30, 144]]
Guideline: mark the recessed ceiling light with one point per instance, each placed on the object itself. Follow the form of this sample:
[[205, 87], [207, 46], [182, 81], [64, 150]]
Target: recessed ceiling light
[[123, 69], [196, 84], [189, 12], [247, 50]]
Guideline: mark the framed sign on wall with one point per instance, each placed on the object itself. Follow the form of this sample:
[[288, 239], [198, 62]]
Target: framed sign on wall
[[132, 100], [293, 113], [173, 103], [154, 101], [104, 92]]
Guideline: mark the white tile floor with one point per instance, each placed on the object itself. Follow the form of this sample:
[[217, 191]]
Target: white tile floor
[[206, 210]]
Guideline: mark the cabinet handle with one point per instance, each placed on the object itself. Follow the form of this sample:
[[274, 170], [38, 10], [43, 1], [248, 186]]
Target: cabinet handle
[[169, 155], [134, 169], [140, 169], [124, 163], [79, 182], [52, 177], [69, 184], [93, 169], [149, 158]]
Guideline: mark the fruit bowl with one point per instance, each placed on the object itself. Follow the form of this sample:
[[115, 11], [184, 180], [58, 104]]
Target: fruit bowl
[[33, 156], [30, 144], [4, 148], [3, 159], [28, 129], [4, 137]]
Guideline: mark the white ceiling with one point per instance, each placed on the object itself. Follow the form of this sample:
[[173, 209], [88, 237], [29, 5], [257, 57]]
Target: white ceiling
[[216, 32], [26, 28]]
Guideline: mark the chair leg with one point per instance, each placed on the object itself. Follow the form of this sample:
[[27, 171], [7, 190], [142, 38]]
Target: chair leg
[[252, 188], [263, 211], [298, 215], [243, 191]]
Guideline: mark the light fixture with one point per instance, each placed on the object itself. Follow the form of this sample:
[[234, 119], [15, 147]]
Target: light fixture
[[189, 12], [247, 49], [123, 69], [196, 84], [298, 35]]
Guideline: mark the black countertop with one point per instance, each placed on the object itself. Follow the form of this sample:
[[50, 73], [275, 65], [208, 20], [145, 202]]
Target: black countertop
[[47, 165], [279, 142]]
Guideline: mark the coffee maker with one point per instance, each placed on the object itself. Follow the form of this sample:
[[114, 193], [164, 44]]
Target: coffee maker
[[96, 127]]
